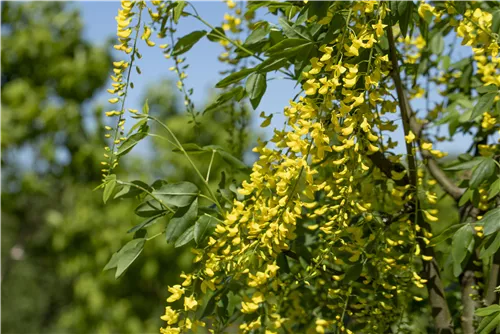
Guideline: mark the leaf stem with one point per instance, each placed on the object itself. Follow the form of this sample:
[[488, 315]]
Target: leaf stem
[[154, 236], [224, 37], [112, 156], [147, 192], [181, 148], [210, 165]]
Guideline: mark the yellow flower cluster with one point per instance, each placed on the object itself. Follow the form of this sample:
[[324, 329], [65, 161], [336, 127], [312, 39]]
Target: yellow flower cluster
[[324, 152], [232, 23], [475, 29], [119, 83]]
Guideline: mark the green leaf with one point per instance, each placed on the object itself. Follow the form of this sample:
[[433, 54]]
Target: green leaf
[[495, 22], [190, 148], [215, 34], [405, 15], [461, 246], [405, 12], [185, 237], [272, 64], [287, 44], [108, 189], [128, 254], [437, 44], [233, 302], [484, 104], [465, 165], [393, 7], [237, 93], [204, 227], [130, 142], [494, 189], [258, 35], [145, 107], [182, 219], [207, 304], [178, 10], [466, 77], [466, 197], [318, 8], [234, 77], [485, 311], [445, 62], [489, 323], [294, 31], [125, 256], [232, 160], [446, 234], [112, 263], [146, 223], [128, 191], [177, 194], [487, 89], [149, 209], [141, 124], [353, 272], [490, 247], [491, 221], [482, 172], [256, 87], [185, 43], [460, 6]]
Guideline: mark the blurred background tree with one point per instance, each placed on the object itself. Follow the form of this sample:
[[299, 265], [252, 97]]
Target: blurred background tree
[[56, 233]]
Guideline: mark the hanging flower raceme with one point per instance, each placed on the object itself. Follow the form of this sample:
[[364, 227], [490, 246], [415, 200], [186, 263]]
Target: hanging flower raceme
[[293, 186], [121, 78]]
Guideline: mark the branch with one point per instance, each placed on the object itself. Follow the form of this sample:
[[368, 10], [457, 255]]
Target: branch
[[444, 181], [386, 166], [440, 311], [409, 116], [469, 302], [493, 281]]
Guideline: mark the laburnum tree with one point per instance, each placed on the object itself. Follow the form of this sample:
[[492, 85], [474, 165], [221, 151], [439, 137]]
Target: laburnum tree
[[351, 219]]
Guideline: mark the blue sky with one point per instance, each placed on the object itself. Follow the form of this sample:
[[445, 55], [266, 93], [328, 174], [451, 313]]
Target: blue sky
[[204, 68], [203, 72]]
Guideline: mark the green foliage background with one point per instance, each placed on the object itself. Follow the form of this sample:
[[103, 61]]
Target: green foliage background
[[57, 235]]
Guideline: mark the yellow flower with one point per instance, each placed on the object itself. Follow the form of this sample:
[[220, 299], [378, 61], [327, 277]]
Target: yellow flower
[[124, 33], [190, 303], [425, 8], [426, 146], [488, 121], [249, 307], [379, 28], [410, 137], [146, 34], [170, 316], [177, 291], [426, 258], [310, 87], [430, 217]]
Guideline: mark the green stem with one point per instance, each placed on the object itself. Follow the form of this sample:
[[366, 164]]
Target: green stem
[[161, 137], [112, 156], [224, 37], [147, 192], [181, 148], [210, 165], [154, 236]]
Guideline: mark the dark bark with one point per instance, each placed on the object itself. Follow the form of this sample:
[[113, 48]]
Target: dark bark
[[437, 300]]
